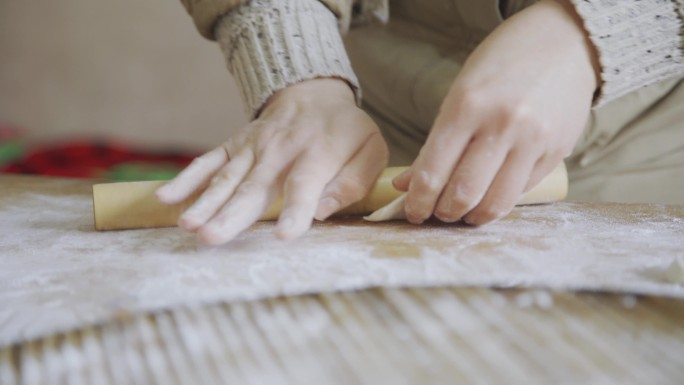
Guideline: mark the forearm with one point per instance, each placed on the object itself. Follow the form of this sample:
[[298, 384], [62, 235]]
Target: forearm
[[589, 49]]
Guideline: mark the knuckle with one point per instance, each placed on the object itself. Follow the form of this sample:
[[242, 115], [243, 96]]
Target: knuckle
[[199, 162], [522, 117], [517, 117], [250, 187], [301, 178], [268, 136], [349, 189], [269, 155], [469, 97], [428, 184], [536, 131], [464, 196], [221, 177], [228, 147], [516, 112]]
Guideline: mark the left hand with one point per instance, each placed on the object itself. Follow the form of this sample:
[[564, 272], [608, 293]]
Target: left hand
[[514, 112], [311, 144]]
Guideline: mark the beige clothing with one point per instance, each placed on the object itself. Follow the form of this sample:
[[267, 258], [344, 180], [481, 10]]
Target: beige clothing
[[631, 151], [207, 13], [631, 148], [639, 42]]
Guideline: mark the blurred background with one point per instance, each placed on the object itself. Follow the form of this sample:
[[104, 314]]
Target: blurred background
[[124, 80]]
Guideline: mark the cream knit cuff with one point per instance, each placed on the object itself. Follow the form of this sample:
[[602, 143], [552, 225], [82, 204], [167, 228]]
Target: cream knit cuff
[[639, 42], [271, 44]]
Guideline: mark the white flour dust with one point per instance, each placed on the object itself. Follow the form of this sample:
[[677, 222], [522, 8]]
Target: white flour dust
[[58, 273]]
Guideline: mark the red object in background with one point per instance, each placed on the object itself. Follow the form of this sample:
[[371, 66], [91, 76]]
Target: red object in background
[[8, 133], [83, 159]]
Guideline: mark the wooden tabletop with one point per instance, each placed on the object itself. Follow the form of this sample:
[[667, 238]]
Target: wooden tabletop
[[395, 336], [389, 303]]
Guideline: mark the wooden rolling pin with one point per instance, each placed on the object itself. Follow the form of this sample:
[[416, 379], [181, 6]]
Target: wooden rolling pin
[[133, 205]]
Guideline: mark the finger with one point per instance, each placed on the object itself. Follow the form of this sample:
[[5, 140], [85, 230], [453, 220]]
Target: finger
[[355, 179], [251, 199], [472, 177], [401, 182], [220, 190], [303, 188], [195, 176], [505, 190], [432, 169]]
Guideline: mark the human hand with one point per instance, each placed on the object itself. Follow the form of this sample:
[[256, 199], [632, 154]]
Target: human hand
[[514, 112], [311, 143]]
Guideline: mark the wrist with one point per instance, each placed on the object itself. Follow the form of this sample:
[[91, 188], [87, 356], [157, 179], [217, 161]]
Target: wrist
[[588, 48], [329, 89]]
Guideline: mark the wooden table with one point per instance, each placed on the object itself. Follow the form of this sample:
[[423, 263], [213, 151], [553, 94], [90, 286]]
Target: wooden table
[[70, 322]]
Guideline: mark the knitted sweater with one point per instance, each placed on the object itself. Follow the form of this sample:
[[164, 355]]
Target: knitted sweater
[[270, 44]]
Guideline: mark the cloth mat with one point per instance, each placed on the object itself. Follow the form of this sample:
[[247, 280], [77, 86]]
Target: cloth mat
[[58, 273]]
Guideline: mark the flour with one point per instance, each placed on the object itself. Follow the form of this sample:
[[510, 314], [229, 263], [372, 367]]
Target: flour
[[58, 273]]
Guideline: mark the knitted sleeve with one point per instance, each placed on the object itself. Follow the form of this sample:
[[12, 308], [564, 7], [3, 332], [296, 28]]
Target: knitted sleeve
[[639, 42], [271, 44]]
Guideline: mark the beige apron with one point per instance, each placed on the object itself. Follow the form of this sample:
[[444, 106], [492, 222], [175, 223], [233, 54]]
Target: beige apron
[[631, 151]]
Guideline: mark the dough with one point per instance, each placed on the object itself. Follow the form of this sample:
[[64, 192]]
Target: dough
[[394, 210]]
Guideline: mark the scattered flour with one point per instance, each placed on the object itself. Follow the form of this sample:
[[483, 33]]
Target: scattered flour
[[58, 273]]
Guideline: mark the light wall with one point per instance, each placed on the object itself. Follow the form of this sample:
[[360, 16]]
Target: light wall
[[126, 69]]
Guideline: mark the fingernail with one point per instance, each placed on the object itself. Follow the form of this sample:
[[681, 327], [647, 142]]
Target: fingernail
[[446, 218], [443, 211], [285, 229], [188, 222], [401, 176], [286, 223], [162, 192], [469, 221], [410, 217], [209, 236], [414, 219], [326, 208]]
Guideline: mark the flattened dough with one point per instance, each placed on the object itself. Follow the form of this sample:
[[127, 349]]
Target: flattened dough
[[393, 211]]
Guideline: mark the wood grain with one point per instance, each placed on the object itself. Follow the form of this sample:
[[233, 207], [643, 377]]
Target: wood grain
[[375, 336]]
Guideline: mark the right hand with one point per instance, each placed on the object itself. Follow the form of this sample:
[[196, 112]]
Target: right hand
[[310, 143], [502, 128]]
